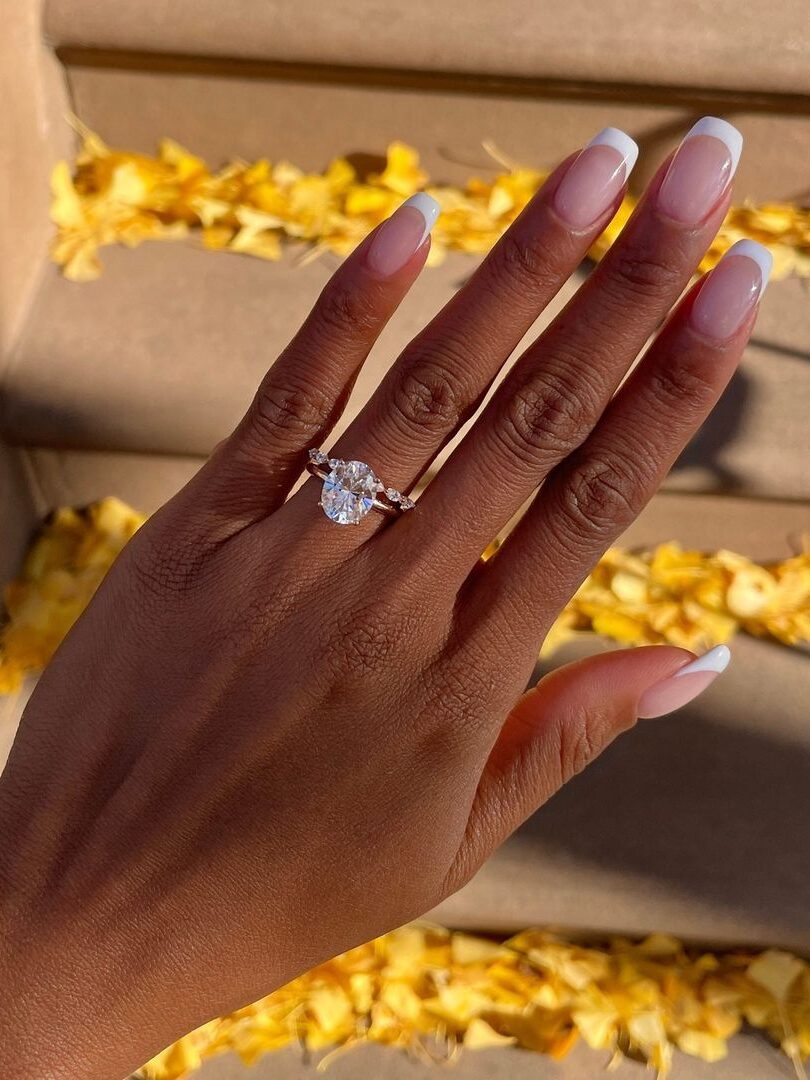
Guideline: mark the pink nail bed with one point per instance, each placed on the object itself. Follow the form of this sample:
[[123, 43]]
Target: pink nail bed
[[732, 290], [595, 178], [700, 172], [400, 237], [685, 685]]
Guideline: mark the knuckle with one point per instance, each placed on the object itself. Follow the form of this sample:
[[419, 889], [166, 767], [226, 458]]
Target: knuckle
[[601, 495], [646, 273], [520, 259], [461, 694], [368, 641], [342, 308], [426, 397], [164, 568], [543, 417], [677, 384], [576, 743], [295, 408], [455, 702]]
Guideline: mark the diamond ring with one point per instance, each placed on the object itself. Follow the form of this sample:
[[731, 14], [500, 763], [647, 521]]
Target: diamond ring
[[351, 489]]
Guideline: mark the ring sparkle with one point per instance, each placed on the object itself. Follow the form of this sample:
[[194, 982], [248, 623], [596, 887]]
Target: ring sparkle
[[351, 489]]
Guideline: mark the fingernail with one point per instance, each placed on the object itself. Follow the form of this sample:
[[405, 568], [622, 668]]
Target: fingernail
[[685, 685], [400, 237], [595, 178], [701, 170], [732, 290]]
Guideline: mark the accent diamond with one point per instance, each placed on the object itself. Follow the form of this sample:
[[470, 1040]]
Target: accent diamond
[[392, 495], [318, 457], [348, 492], [406, 503]]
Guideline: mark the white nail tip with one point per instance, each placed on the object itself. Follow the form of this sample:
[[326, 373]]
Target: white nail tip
[[427, 207], [758, 252], [620, 141], [715, 660], [722, 130]]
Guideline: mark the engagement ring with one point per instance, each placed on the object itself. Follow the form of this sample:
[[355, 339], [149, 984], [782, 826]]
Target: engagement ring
[[351, 489]]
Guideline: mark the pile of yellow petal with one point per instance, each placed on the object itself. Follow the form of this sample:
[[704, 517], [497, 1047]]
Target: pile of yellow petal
[[436, 993], [62, 570], [119, 197], [667, 595], [688, 598]]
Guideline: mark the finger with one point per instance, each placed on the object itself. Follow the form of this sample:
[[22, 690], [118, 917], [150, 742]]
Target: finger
[[554, 395], [303, 393], [565, 722], [599, 490], [441, 376]]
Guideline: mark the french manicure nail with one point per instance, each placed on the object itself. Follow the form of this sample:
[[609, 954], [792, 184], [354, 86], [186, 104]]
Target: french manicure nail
[[685, 685], [732, 290], [701, 170], [400, 237], [595, 178]]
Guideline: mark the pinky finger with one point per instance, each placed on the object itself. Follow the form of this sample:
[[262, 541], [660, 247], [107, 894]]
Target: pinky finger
[[564, 723], [592, 496]]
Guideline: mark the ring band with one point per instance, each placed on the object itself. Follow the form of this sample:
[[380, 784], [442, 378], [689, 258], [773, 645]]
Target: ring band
[[351, 489]]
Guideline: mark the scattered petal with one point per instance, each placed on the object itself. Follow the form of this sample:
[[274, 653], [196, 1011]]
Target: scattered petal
[[332, 210]]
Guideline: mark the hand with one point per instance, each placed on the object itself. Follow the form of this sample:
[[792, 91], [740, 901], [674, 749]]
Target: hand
[[271, 737]]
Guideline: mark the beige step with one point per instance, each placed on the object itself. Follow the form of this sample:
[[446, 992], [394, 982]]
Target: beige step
[[693, 43]]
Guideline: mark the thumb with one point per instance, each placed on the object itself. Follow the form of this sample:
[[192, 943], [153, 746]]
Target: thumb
[[566, 721]]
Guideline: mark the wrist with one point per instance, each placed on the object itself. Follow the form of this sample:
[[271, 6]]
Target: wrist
[[57, 1021], [108, 952]]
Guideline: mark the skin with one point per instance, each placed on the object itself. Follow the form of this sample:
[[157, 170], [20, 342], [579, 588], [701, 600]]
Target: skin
[[270, 738]]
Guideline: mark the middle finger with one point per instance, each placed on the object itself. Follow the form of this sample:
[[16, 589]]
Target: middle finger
[[557, 391]]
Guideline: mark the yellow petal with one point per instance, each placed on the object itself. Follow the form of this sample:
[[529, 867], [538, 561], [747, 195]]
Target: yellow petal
[[66, 207], [481, 1036], [629, 588], [646, 1029], [182, 161], [750, 592], [402, 173], [701, 1044], [267, 245], [466, 950], [776, 971], [597, 1026]]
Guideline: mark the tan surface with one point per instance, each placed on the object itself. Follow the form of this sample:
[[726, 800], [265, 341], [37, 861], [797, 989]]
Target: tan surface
[[694, 43], [32, 136], [77, 478], [750, 1058], [311, 121]]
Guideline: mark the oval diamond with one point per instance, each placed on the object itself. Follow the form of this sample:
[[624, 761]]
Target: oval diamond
[[348, 492]]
